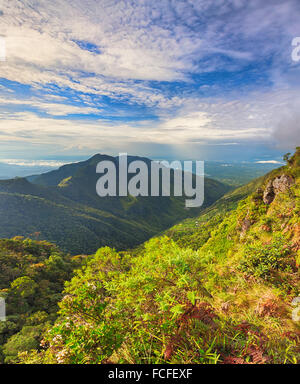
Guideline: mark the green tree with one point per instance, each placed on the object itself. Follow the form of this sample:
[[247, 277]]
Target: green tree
[[286, 157], [24, 286]]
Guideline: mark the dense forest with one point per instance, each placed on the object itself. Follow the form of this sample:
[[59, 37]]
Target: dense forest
[[64, 208], [218, 288], [32, 276]]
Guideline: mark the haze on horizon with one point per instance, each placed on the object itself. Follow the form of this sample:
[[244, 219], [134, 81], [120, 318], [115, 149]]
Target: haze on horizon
[[174, 79]]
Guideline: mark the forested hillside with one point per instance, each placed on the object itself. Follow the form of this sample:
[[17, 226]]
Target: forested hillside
[[32, 276], [222, 295], [63, 207]]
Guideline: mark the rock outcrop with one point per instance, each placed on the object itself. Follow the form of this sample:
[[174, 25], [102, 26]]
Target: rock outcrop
[[279, 184], [269, 193]]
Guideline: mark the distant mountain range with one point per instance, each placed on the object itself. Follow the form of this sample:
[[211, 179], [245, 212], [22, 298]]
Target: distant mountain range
[[234, 174], [62, 206]]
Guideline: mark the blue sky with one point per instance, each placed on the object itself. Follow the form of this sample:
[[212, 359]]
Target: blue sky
[[203, 79]]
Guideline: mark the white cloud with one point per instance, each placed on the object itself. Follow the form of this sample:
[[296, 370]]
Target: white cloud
[[217, 122], [54, 109], [136, 41], [34, 163], [268, 162], [140, 42]]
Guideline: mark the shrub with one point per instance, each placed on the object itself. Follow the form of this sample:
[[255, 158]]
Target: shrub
[[263, 259]]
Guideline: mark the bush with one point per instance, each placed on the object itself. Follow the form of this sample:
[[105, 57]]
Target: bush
[[262, 260]]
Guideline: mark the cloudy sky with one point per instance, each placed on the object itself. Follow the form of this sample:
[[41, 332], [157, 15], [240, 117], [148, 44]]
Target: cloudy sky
[[206, 79]]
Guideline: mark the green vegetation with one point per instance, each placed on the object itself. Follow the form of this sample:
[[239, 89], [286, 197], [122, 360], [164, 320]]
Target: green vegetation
[[194, 232], [213, 289], [64, 208], [32, 276], [222, 295], [261, 259]]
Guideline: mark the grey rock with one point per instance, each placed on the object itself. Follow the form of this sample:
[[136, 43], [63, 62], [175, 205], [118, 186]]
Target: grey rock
[[282, 183], [279, 184]]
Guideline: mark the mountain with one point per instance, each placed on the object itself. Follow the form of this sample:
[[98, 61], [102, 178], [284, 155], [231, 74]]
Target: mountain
[[231, 297], [23, 169], [62, 206], [194, 232], [234, 174], [221, 287]]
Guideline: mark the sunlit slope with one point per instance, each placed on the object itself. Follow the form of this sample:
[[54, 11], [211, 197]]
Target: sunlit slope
[[227, 298]]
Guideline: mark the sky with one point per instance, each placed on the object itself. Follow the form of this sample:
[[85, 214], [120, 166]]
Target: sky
[[180, 79]]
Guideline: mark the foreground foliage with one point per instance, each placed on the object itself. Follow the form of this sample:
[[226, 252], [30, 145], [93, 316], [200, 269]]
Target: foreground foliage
[[32, 276], [224, 294]]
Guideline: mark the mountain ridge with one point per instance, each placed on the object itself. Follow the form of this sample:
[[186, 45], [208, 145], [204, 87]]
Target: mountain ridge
[[231, 298], [71, 214]]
